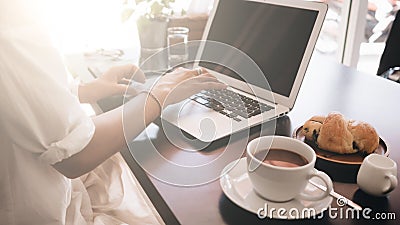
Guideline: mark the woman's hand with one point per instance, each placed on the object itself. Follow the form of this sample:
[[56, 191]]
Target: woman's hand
[[183, 83], [113, 82], [111, 133]]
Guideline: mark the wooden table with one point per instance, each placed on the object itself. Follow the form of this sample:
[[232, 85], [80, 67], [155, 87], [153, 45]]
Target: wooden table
[[327, 87]]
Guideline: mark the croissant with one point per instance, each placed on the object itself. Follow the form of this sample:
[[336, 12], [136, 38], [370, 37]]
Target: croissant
[[365, 137], [312, 127], [336, 134]]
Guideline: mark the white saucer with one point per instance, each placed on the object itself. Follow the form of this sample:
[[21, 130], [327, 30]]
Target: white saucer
[[237, 187]]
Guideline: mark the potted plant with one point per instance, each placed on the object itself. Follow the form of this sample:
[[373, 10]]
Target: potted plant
[[152, 22]]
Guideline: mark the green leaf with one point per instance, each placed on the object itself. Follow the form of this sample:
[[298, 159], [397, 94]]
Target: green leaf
[[156, 8]]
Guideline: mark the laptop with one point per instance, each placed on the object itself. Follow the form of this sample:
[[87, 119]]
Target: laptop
[[267, 45]]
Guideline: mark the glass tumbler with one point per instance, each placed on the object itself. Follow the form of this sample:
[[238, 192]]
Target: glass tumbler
[[177, 45]]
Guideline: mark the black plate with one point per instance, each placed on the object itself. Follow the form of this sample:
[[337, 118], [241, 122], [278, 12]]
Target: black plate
[[348, 159]]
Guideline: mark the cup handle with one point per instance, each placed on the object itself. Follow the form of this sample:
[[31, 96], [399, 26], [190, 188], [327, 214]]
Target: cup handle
[[393, 183], [328, 184]]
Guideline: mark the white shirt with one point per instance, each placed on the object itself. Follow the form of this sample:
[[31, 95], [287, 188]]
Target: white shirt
[[42, 123]]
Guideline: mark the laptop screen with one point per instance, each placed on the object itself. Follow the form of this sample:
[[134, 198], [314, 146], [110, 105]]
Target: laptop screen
[[273, 36]]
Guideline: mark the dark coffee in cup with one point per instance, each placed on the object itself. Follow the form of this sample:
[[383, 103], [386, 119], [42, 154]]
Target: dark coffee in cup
[[293, 162], [281, 157]]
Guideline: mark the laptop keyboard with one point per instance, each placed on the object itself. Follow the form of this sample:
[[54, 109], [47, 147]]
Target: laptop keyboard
[[231, 104]]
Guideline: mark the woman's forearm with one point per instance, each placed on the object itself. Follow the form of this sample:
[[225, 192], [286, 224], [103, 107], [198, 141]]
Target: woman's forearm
[[110, 134]]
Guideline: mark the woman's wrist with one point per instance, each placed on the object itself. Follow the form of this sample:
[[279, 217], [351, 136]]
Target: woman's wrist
[[86, 93], [157, 96], [154, 97], [160, 93]]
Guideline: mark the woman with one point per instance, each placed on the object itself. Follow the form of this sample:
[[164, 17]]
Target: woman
[[57, 165]]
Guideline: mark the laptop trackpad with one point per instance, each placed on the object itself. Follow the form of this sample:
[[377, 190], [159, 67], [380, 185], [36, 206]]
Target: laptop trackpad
[[199, 121], [207, 129]]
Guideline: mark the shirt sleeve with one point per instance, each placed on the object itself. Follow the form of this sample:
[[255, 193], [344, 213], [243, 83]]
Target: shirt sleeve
[[73, 85], [39, 113]]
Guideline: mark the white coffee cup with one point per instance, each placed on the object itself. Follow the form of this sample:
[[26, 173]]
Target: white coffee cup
[[278, 183], [377, 175]]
